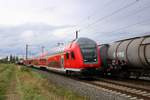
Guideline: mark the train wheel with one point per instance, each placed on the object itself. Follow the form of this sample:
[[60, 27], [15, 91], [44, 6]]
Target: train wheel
[[43, 68], [124, 74], [68, 73], [138, 75]]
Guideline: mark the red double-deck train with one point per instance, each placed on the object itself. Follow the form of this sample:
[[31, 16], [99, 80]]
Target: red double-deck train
[[81, 55]]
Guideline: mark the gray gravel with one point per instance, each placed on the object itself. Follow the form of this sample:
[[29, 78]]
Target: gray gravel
[[85, 89]]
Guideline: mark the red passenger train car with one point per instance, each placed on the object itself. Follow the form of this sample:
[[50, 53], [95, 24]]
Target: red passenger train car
[[81, 55]]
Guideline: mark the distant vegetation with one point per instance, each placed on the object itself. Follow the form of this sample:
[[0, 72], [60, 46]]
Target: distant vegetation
[[9, 59], [21, 83]]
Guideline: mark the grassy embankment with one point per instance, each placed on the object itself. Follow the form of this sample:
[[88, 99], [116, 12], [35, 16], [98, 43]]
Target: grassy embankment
[[21, 83]]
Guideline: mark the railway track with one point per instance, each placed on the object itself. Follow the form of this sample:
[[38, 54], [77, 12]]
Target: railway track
[[137, 84], [132, 90], [128, 90]]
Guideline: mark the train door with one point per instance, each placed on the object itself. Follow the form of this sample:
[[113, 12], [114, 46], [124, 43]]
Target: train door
[[62, 61]]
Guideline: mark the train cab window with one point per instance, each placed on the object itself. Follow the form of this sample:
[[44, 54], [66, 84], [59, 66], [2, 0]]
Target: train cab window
[[72, 55], [67, 55]]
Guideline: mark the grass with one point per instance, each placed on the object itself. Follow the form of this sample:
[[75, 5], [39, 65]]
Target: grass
[[30, 85], [6, 74]]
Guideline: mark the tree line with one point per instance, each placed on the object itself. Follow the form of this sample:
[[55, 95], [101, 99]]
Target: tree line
[[9, 59]]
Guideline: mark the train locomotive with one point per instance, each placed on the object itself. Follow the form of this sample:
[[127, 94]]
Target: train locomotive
[[125, 58], [79, 56]]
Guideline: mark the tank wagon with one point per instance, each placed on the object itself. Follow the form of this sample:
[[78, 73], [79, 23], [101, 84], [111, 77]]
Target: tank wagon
[[79, 56], [127, 57]]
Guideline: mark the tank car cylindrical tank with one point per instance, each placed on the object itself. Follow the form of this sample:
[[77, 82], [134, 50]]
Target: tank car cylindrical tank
[[126, 56], [135, 52]]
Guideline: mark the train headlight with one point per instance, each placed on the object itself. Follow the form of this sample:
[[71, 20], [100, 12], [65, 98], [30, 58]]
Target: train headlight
[[85, 60]]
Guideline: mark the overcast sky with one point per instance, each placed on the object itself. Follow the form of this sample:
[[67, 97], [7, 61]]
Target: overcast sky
[[47, 22]]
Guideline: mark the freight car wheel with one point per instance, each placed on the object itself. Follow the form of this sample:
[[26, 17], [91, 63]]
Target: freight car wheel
[[43, 68], [138, 75], [124, 75]]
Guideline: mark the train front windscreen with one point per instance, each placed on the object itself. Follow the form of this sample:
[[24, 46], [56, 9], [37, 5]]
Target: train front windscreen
[[89, 54], [88, 50]]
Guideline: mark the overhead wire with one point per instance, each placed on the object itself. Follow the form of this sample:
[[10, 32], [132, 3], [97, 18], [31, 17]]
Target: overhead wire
[[137, 12], [86, 19], [125, 27], [131, 25], [111, 14], [93, 14], [104, 17]]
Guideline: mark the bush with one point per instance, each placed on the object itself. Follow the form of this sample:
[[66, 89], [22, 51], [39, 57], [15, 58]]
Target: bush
[[24, 69]]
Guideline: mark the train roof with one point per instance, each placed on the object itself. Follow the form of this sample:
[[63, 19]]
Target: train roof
[[133, 38], [80, 41], [83, 40], [107, 44], [61, 48]]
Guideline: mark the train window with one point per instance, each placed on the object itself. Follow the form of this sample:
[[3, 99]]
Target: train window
[[72, 55], [44, 60], [89, 54], [67, 55]]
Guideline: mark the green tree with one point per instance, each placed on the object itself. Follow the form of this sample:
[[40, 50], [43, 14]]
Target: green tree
[[11, 58], [17, 59]]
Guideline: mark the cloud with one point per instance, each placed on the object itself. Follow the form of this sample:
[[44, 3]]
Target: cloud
[[13, 39], [45, 23]]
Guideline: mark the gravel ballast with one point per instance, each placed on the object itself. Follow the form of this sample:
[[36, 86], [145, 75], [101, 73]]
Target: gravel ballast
[[85, 89]]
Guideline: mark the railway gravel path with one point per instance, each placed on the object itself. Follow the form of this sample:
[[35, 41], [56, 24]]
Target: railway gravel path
[[127, 91], [93, 91]]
